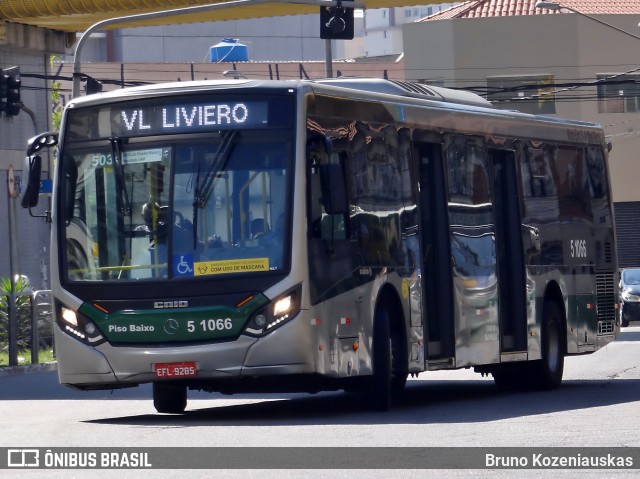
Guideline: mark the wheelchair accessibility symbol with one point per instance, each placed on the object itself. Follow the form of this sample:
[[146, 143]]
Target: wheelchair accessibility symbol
[[183, 265]]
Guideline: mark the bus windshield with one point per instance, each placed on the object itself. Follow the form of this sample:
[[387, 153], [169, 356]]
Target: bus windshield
[[175, 207]]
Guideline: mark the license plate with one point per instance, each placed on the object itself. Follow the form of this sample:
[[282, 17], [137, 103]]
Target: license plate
[[175, 370]]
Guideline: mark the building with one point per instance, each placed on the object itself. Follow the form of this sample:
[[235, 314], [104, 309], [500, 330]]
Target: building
[[378, 32], [582, 66], [382, 27]]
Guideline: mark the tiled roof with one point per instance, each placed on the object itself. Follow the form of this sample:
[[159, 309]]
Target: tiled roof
[[506, 8]]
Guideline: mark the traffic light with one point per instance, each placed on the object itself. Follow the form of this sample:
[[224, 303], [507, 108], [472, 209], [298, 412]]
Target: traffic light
[[14, 83], [3, 92], [93, 85], [10, 84], [336, 23]]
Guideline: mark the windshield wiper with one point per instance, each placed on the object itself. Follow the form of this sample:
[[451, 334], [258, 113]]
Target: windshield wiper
[[194, 220], [203, 192], [116, 154]]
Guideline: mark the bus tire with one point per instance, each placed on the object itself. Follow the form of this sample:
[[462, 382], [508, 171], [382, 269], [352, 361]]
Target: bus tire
[[399, 369], [169, 398], [376, 394], [547, 372]]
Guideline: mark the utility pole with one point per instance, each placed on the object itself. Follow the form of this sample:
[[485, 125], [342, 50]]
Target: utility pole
[[13, 267]]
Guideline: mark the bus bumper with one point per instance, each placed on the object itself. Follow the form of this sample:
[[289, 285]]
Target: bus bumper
[[285, 351]]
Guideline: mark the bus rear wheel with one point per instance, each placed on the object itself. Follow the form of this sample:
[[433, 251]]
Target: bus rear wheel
[[169, 398], [547, 372]]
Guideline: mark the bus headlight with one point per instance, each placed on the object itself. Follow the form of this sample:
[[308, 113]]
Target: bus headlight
[[69, 317], [79, 326], [279, 311], [283, 305]]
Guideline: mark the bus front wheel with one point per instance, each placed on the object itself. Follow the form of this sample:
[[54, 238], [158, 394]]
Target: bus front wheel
[[169, 398], [376, 394]]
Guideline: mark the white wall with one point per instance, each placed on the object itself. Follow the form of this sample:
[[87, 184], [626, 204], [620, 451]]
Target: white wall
[[383, 26]]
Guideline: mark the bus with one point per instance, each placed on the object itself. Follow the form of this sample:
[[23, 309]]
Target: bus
[[340, 234]]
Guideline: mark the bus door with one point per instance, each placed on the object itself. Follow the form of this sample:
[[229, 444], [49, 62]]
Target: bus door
[[435, 252], [473, 250], [512, 285]]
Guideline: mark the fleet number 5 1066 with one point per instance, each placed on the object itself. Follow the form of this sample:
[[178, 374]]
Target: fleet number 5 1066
[[207, 325], [578, 248]]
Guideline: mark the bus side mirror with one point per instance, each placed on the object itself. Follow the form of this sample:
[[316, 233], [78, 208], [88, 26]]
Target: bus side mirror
[[334, 194], [33, 168], [43, 140]]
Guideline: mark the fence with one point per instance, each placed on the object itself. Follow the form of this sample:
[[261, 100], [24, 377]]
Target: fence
[[30, 328]]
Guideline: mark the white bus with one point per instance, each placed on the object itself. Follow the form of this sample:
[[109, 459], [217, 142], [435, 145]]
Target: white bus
[[240, 236]]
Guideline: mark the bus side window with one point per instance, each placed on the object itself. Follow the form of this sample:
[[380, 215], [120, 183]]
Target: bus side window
[[328, 201], [572, 182], [538, 185], [334, 197], [334, 202], [315, 207], [596, 172], [598, 188]]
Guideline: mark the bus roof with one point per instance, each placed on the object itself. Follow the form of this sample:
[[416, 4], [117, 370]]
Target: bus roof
[[408, 89], [363, 85], [361, 88]]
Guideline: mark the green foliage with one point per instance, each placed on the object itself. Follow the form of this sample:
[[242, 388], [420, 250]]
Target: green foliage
[[23, 309], [45, 355], [22, 284], [56, 116]]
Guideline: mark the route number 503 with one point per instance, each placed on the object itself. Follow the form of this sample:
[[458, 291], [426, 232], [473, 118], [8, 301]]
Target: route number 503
[[206, 325], [578, 248]]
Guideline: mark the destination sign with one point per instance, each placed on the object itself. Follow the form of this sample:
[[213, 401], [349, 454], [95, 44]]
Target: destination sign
[[102, 160], [178, 114], [192, 117]]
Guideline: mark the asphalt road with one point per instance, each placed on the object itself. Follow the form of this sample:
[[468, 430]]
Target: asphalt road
[[597, 406]]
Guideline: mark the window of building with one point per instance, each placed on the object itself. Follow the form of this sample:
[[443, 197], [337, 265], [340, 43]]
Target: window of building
[[618, 93], [526, 93]]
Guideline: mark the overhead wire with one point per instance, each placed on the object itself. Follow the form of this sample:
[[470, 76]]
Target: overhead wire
[[560, 89]]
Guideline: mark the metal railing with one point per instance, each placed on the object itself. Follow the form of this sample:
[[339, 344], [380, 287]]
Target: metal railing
[[29, 327]]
